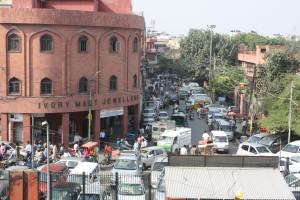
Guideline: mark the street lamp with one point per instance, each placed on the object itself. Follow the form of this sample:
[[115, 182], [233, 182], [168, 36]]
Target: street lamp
[[90, 105], [211, 27], [45, 123]]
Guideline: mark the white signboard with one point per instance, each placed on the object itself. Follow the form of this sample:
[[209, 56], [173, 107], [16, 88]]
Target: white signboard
[[5, 3], [111, 113]]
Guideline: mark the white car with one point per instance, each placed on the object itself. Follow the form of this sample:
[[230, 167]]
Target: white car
[[293, 181], [253, 149], [220, 141], [163, 115], [95, 191], [71, 162], [149, 154], [291, 149], [156, 170], [131, 188], [294, 164]]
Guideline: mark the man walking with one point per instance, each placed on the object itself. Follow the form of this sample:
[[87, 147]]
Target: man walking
[[102, 137]]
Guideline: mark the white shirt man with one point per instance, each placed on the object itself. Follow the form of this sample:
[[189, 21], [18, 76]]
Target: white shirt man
[[183, 151], [102, 135], [205, 136], [28, 147]]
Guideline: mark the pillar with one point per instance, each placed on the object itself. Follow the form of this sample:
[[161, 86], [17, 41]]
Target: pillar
[[65, 121], [16, 185], [26, 128], [4, 127], [31, 185], [96, 124], [125, 121]]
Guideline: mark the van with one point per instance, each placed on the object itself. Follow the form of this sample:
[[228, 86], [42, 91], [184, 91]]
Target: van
[[90, 169], [225, 126], [173, 140], [220, 141], [159, 127]]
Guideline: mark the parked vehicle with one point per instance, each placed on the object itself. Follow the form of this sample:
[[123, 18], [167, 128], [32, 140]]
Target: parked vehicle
[[128, 163], [66, 191], [91, 171], [94, 191], [70, 162], [293, 181], [173, 140], [158, 165], [132, 189], [291, 149], [59, 172], [163, 115], [293, 165], [159, 127], [220, 141], [257, 137], [149, 112], [149, 154], [223, 125], [183, 93], [275, 142], [253, 149]]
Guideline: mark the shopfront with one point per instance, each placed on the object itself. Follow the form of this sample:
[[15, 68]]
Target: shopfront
[[111, 123]]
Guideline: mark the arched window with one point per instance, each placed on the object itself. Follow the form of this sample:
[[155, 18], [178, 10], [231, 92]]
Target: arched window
[[114, 44], [13, 42], [113, 83], [14, 86], [134, 81], [135, 45], [83, 85], [46, 43], [83, 44], [46, 86]]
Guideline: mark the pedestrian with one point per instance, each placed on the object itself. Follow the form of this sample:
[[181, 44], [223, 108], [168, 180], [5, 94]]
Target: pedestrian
[[54, 152], [244, 126], [183, 150], [28, 149], [108, 151], [193, 150], [144, 143]]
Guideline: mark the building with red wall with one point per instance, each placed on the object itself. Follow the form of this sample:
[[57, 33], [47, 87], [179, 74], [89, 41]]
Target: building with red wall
[[56, 56]]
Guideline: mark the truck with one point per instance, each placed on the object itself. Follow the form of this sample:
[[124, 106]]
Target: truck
[[173, 140], [160, 126]]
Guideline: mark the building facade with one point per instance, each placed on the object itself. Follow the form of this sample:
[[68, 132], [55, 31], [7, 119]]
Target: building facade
[[58, 58]]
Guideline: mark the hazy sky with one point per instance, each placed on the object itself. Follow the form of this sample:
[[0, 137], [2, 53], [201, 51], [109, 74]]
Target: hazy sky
[[263, 16]]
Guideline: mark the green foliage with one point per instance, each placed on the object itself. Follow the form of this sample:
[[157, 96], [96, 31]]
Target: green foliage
[[250, 40], [277, 112], [226, 79], [195, 52], [169, 65]]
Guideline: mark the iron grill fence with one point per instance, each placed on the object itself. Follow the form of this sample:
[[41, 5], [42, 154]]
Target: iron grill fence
[[4, 184], [102, 186]]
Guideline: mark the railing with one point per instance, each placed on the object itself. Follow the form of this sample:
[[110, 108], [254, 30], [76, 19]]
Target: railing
[[103, 185], [4, 184]]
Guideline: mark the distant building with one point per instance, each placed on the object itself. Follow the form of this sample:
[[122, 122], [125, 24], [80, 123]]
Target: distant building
[[56, 55]]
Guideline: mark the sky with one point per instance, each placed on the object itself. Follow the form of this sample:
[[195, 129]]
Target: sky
[[266, 17]]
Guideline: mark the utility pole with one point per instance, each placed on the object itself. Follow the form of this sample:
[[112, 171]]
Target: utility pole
[[32, 142], [90, 112], [251, 103], [290, 111], [211, 27]]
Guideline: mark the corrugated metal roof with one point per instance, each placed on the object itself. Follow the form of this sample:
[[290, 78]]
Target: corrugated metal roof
[[223, 183]]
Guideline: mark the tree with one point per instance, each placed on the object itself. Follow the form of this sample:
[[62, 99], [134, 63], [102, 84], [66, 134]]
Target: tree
[[195, 52]]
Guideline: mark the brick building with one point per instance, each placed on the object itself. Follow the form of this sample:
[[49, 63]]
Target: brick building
[[54, 53]]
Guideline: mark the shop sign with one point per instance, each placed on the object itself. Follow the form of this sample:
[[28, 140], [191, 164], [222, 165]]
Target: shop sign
[[15, 117], [111, 113]]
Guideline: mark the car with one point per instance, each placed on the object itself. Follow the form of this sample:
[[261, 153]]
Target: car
[[293, 182], [163, 115], [199, 99], [59, 172], [253, 149], [275, 142], [70, 162], [132, 188], [149, 154], [220, 141], [4, 185], [148, 120], [223, 125], [293, 166], [173, 100], [149, 112], [196, 90], [91, 171], [256, 138], [183, 93], [160, 192], [66, 191], [128, 163], [291, 149], [94, 191], [157, 168]]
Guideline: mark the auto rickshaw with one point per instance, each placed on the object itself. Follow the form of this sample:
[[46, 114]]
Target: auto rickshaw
[[89, 151]]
